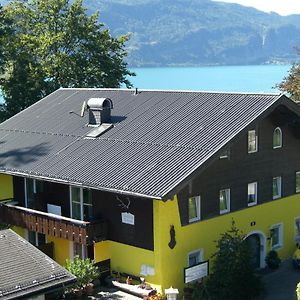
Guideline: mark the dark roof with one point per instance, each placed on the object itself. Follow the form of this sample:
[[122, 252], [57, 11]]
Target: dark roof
[[159, 137], [25, 270]]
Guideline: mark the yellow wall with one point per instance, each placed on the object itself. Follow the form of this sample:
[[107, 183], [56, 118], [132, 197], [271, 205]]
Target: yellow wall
[[61, 249], [6, 187], [201, 235], [127, 259], [19, 230]]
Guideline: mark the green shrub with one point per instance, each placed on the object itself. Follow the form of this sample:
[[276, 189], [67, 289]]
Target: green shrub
[[298, 291], [272, 260], [84, 270]]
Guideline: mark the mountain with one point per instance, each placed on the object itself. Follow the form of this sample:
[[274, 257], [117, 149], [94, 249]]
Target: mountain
[[199, 32]]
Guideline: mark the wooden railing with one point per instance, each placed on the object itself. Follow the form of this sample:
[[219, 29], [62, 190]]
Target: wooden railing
[[81, 232]]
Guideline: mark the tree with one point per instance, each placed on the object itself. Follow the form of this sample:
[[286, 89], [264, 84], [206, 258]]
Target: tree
[[56, 44], [232, 273], [291, 83]]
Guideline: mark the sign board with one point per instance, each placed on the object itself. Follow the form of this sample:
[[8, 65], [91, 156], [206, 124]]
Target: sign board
[[54, 209], [128, 218], [196, 272]]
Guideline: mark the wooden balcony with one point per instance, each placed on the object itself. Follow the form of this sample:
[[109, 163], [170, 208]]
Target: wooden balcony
[[81, 232]]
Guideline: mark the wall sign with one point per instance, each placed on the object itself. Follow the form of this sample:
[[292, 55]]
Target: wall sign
[[127, 218], [196, 272]]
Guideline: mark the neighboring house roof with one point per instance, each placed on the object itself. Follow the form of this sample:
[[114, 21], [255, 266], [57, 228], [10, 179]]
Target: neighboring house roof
[[159, 138], [25, 270]]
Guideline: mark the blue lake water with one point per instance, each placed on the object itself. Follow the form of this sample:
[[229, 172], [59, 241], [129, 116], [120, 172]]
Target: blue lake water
[[260, 78], [257, 78]]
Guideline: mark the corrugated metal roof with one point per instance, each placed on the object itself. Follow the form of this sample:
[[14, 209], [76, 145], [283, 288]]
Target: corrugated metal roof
[[158, 139], [25, 270]]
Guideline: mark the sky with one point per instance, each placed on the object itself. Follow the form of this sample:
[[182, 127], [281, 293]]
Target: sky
[[282, 7]]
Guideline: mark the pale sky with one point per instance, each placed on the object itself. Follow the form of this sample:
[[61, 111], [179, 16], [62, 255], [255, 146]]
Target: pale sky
[[282, 7]]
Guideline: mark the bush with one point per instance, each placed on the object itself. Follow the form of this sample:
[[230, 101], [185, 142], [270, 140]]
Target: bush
[[272, 260], [232, 275], [298, 291], [84, 270]]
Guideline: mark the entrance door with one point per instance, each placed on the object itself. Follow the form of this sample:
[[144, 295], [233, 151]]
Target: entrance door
[[254, 244]]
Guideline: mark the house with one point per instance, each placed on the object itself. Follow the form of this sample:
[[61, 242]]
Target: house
[[26, 272], [144, 182]]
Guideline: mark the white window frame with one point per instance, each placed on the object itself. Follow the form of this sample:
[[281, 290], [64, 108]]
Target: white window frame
[[198, 209], [83, 250], [279, 195], [297, 190], [198, 252], [280, 131], [255, 190], [25, 189], [81, 202], [227, 192], [297, 229], [36, 237], [255, 141], [280, 236]]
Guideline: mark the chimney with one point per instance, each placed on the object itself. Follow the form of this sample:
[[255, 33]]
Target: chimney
[[99, 111]]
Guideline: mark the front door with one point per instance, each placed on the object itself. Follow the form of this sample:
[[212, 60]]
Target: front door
[[254, 244]]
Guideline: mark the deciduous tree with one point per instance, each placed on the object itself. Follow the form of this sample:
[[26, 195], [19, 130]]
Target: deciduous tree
[[56, 44], [291, 83]]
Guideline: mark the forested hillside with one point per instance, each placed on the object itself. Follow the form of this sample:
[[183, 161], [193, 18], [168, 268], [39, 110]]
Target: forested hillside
[[199, 32]]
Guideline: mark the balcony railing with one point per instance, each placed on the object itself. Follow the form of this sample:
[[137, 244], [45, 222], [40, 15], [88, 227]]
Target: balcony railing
[[81, 232]]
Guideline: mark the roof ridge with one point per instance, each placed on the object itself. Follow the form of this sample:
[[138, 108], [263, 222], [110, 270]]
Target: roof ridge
[[177, 91]]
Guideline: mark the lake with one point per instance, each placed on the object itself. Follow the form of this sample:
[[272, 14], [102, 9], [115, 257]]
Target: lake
[[256, 78], [260, 78]]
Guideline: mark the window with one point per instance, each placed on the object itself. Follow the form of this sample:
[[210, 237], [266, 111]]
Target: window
[[252, 141], [277, 138], [36, 238], [81, 203], [194, 209], [276, 187], [224, 201], [195, 258], [80, 250], [297, 229], [297, 182], [276, 236], [225, 154], [252, 193], [32, 187]]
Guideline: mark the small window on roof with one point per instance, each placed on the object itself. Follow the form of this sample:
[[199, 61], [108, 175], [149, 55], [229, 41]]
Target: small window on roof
[[277, 138]]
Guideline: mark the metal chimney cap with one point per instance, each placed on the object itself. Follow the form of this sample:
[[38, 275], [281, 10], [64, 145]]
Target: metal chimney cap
[[100, 103]]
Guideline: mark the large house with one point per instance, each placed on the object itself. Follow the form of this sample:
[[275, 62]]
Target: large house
[[146, 181]]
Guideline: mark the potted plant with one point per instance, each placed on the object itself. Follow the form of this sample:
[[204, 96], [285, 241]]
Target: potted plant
[[85, 272], [272, 260]]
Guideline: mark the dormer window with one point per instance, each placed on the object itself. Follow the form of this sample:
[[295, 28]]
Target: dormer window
[[277, 138]]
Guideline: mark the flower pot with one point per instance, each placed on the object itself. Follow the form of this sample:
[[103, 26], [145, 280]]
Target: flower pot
[[89, 288], [78, 293]]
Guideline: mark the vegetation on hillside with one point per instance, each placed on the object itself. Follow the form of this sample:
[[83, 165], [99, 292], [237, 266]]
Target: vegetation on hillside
[[52, 44], [199, 32]]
